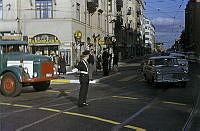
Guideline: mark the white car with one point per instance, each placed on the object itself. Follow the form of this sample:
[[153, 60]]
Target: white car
[[182, 61]]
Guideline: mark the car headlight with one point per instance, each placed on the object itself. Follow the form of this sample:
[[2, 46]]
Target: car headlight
[[35, 74], [158, 72]]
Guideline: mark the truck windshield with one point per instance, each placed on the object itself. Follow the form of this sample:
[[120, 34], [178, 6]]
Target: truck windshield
[[15, 49], [166, 62]]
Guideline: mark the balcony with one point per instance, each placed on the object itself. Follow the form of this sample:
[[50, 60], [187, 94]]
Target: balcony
[[92, 5]]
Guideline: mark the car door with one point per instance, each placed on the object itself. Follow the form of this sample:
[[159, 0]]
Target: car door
[[148, 70]]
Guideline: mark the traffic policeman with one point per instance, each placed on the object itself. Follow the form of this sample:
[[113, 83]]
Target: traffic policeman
[[84, 79]]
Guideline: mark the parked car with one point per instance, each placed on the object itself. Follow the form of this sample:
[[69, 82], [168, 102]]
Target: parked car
[[165, 69], [182, 61], [18, 68]]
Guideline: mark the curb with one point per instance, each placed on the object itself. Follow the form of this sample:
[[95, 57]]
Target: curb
[[64, 81]]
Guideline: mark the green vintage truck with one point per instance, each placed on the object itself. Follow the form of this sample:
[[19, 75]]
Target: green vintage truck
[[19, 68]]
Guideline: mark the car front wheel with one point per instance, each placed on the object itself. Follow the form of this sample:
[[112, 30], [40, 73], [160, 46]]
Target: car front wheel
[[10, 85]]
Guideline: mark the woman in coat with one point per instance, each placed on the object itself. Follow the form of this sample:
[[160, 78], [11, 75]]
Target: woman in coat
[[62, 64]]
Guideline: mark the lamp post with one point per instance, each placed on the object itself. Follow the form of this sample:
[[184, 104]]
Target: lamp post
[[77, 37]]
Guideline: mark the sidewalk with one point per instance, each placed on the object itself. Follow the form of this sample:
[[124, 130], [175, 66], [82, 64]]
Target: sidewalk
[[71, 77]]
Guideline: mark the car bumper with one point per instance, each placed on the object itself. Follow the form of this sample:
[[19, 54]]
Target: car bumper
[[32, 80], [171, 81]]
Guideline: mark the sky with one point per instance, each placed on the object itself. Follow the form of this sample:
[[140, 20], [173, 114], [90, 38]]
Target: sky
[[168, 18]]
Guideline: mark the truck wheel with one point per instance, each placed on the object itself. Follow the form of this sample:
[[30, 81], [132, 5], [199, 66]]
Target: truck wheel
[[10, 85], [41, 86]]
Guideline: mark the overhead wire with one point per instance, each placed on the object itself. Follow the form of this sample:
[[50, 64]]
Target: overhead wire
[[157, 10]]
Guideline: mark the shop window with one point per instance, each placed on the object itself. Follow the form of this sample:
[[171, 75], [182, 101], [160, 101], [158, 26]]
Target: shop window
[[44, 9], [1, 9], [99, 20]]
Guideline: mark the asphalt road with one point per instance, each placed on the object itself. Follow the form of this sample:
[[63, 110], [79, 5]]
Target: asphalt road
[[122, 102]]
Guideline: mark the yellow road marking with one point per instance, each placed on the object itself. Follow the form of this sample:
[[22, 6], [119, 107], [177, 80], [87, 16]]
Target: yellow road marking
[[53, 91], [92, 117], [22, 106], [104, 120], [77, 114], [57, 83], [49, 109], [174, 103], [2, 103], [125, 97], [128, 78], [64, 81], [133, 127]]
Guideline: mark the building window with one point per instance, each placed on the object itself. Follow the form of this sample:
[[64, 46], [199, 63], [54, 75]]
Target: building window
[[78, 9], [89, 19], [44, 9], [1, 9], [147, 39], [110, 5], [99, 20]]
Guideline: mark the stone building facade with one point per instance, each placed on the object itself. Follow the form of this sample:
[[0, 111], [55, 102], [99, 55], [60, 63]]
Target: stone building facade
[[192, 28], [50, 25]]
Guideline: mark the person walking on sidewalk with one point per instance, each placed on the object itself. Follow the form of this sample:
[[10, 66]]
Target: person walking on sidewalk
[[62, 64], [84, 79], [92, 64], [105, 57]]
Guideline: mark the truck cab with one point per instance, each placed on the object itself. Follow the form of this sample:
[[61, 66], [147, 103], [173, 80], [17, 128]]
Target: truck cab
[[19, 68]]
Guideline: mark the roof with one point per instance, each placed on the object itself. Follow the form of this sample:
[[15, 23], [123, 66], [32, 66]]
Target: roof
[[13, 43], [162, 57]]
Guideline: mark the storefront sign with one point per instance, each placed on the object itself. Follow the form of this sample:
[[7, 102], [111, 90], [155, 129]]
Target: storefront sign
[[14, 38], [43, 39]]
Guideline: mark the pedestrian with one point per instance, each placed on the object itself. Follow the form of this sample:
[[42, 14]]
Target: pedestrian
[[92, 64], [105, 57], [62, 64], [98, 63], [84, 79], [110, 61], [95, 62], [115, 58]]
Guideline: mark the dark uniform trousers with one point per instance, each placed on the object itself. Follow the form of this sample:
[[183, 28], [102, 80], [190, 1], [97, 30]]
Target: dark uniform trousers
[[84, 82]]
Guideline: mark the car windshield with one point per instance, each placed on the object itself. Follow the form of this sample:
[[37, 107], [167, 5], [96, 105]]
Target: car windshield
[[15, 49], [166, 62]]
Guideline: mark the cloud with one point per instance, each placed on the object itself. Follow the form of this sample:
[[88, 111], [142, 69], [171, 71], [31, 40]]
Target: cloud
[[165, 21]]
